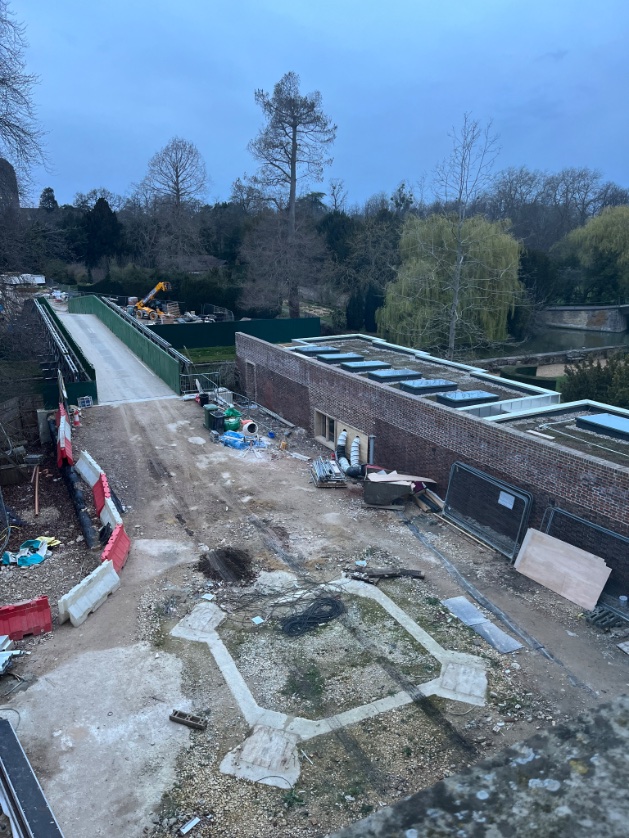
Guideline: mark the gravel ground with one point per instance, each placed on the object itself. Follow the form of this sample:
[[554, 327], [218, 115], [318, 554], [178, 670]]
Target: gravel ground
[[69, 562], [181, 494]]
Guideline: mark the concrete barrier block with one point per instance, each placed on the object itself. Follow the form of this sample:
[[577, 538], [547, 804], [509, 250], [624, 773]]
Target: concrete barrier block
[[88, 468], [89, 594], [110, 515]]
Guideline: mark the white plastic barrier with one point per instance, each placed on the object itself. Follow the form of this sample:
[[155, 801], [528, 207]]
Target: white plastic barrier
[[109, 515], [88, 468], [89, 594]]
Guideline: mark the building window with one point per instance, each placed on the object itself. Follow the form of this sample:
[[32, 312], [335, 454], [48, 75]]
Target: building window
[[325, 427]]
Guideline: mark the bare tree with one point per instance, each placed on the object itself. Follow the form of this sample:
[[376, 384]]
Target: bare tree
[[291, 147], [274, 257], [460, 180], [176, 173], [338, 195], [20, 135]]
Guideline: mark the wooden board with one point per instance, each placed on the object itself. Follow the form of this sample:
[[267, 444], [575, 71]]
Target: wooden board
[[572, 573]]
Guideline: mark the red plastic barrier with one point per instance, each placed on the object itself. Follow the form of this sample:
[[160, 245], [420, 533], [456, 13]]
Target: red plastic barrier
[[117, 548], [64, 437], [23, 618], [101, 491]]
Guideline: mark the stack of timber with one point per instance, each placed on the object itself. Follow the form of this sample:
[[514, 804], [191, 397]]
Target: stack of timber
[[572, 573]]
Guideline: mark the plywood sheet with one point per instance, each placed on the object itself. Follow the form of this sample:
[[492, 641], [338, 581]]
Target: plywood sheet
[[572, 573], [374, 477]]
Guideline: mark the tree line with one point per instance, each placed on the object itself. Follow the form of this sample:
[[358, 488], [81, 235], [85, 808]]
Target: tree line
[[459, 263]]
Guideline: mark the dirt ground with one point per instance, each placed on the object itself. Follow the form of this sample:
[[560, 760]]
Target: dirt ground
[[92, 712]]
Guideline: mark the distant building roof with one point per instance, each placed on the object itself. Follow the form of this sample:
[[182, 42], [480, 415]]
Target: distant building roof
[[22, 279]]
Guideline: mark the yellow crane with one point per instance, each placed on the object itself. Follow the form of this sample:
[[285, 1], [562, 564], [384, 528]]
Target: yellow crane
[[149, 307]]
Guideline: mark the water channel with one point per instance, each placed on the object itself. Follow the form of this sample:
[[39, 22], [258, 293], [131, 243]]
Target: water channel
[[560, 340]]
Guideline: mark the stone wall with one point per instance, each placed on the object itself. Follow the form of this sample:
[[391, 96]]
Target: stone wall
[[422, 437], [589, 318], [568, 780]]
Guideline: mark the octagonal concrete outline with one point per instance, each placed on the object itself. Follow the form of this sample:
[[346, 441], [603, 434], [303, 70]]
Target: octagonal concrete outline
[[462, 677]]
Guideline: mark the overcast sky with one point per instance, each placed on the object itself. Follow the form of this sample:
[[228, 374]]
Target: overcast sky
[[120, 78]]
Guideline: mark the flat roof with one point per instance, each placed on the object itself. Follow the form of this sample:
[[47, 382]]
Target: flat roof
[[570, 426], [413, 362]]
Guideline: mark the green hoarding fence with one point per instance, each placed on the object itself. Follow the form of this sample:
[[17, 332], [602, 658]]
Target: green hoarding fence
[[197, 335], [156, 358]]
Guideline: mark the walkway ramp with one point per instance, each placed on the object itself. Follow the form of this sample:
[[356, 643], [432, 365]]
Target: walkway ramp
[[121, 376]]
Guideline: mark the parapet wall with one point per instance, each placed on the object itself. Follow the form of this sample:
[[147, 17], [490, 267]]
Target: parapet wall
[[421, 437]]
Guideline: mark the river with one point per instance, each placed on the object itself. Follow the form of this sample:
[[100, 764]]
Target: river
[[558, 340]]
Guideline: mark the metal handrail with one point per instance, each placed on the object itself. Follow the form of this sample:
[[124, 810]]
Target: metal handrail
[[146, 332], [68, 356]]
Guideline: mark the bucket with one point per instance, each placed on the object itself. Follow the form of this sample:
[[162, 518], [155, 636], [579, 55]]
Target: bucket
[[248, 426], [232, 423], [204, 399]]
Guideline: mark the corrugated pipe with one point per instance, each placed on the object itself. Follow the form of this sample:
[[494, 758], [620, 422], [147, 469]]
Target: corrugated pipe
[[341, 442], [343, 464], [355, 451], [75, 490]]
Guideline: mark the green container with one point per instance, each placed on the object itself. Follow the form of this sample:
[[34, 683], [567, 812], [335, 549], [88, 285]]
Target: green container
[[232, 423]]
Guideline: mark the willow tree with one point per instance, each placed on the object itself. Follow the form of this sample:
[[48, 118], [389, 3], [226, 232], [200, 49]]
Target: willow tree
[[456, 286]]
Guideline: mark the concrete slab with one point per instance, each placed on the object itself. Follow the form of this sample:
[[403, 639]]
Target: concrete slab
[[103, 747], [499, 639], [201, 623], [461, 682], [268, 756], [469, 614]]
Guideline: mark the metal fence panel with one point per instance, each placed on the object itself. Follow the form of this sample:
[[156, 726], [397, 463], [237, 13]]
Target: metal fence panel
[[607, 544], [493, 511], [198, 335]]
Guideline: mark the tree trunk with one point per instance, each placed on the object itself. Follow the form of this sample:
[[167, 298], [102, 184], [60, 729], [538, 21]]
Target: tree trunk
[[456, 291], [293, 282]]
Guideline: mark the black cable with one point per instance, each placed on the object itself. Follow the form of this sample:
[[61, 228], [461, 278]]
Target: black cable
[[322, 610]]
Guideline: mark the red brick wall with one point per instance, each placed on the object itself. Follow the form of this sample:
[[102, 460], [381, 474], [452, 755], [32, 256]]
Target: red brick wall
[[426, 438]]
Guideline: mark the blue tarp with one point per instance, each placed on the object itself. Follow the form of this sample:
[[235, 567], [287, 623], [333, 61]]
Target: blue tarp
[[234, 439]]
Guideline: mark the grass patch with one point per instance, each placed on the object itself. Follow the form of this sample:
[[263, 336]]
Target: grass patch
[[210, 354], [306, 682]]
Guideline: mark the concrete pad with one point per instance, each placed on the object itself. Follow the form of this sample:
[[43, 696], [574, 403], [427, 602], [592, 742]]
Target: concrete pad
[[150, 557], [200, 623], [268, 756], [461, 682], [100, 743]]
